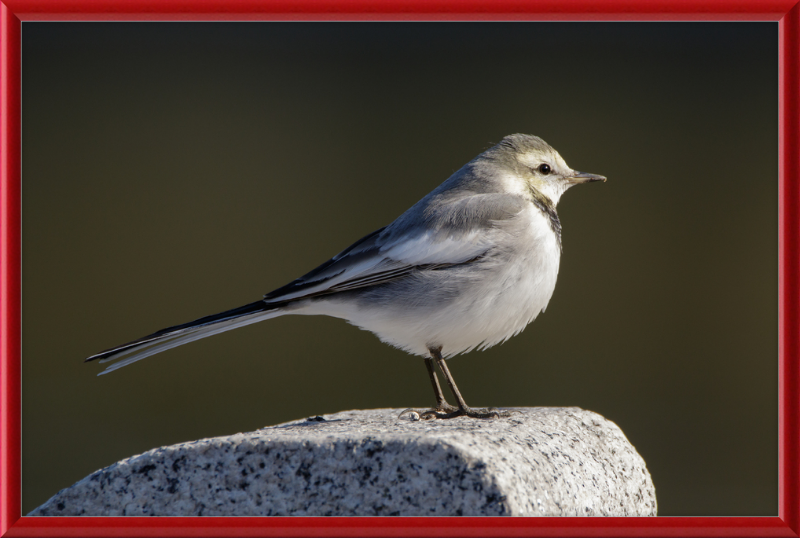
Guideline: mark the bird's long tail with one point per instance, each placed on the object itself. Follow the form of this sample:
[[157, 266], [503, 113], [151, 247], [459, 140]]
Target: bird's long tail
[[183, 334]]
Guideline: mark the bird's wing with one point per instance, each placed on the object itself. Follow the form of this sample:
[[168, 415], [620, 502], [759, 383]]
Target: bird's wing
[[440, 235]]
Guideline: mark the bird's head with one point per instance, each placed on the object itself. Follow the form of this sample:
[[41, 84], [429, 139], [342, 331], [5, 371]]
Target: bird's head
[[536, 168]]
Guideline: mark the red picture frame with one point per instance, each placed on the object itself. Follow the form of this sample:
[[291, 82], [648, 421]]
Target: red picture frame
[[785, 12]]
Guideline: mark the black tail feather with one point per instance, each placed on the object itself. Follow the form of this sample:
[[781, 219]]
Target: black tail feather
[[252, 308]]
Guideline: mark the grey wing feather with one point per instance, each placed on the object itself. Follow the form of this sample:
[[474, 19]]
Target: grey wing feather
[[361, 250], [434, 233]]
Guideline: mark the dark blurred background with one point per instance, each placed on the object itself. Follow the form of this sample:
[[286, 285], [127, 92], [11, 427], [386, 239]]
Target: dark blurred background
[[176, 170]]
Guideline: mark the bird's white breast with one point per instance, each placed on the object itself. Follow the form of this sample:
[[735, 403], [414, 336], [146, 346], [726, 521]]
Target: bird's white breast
[[517, 289], [497, 297]]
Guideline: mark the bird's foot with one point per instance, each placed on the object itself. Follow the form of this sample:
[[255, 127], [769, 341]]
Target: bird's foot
[[448, 411], [443, 410]]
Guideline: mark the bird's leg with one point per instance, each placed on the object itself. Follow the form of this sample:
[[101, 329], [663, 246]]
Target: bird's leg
[[441, 403], [463, 408], [462, 405], [444, 409]]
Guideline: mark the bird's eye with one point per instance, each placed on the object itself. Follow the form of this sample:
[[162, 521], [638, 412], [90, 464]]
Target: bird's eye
[[544, 169]]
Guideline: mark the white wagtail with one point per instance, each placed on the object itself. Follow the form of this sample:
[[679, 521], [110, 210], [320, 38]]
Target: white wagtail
[[468, 266]]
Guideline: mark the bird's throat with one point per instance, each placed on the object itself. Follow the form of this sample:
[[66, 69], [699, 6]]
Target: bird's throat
[[546, 206]]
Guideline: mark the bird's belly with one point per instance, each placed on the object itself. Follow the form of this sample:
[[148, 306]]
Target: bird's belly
[[460, 308], [497, 310]]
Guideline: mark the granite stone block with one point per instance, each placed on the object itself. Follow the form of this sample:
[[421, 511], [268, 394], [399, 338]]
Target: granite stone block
[[536, 462]]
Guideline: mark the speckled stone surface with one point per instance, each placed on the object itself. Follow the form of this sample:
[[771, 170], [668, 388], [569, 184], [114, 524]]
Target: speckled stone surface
[[537, 462]]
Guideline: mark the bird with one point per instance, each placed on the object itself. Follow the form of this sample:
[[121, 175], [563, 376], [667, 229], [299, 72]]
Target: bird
[[468, 266]]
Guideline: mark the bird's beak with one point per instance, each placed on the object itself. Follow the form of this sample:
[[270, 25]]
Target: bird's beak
[[583, 177]]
